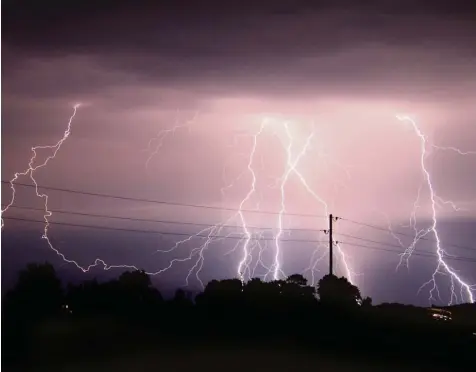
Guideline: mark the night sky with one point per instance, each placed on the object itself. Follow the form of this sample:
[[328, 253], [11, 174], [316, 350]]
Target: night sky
[[217, 71]]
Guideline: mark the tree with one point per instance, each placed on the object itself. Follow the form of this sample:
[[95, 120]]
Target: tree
[[261, 295], [222, 287], [367, 302], [135, 294], [182, 298], [297, 279], [85, 299], [296, 286], [37, 294], [135, 280], [222, 296], [339, 292], [129, 295]]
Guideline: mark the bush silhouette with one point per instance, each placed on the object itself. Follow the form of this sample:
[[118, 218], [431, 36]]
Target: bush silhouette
[[338, 292], [37, 294]]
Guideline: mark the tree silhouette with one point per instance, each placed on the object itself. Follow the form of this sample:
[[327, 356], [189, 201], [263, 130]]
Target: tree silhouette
[[135, 292], [339, 292], [367, 302], [255, 285], [86, 299], [37, 294], [131, 295], [135, 280], [182, 299], [297, 279], [261, 295], [222, 293], [293, 293], [256, 292]]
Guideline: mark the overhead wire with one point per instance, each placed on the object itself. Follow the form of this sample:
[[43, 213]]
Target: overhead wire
[[163, 202]]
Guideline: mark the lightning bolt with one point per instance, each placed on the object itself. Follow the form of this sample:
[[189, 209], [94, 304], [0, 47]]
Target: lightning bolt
[[30, 172], [243, 264], [163, 134], [214, 232], [454, 149], [291, 167], [442, 267], [251, 240], [32, 168]]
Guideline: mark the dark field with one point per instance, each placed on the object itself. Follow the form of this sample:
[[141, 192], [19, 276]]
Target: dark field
[[106, 346]]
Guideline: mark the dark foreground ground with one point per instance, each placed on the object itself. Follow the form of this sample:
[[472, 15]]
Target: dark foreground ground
[[227, 359], [216, 357], [102, 345]]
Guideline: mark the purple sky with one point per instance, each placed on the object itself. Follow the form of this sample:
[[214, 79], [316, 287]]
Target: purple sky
[[140, 69]]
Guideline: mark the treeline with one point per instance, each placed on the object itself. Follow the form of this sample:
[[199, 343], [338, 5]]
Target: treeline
[[40, 295], [40, 312]]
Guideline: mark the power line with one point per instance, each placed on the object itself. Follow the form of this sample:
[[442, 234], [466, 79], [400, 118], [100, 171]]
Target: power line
[[369, 240], [161, 201], [154, 220], [465, 259], [379, 242], [160, 232], [212, 208], [403, 234], [382, 243]]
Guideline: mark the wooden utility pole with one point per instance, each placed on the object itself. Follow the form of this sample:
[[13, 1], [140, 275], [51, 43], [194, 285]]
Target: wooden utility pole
[[331, 244]]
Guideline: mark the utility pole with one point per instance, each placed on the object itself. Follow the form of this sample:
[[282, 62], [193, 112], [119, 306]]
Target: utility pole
[[331, 244]]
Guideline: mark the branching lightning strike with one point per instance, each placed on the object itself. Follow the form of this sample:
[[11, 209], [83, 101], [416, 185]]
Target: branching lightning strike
[[162, 135], [32, 168], [251, 241], [466, 291], [30, 172]]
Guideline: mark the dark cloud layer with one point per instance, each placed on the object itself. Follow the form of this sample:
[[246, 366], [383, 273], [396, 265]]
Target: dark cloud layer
[[271, 46]]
